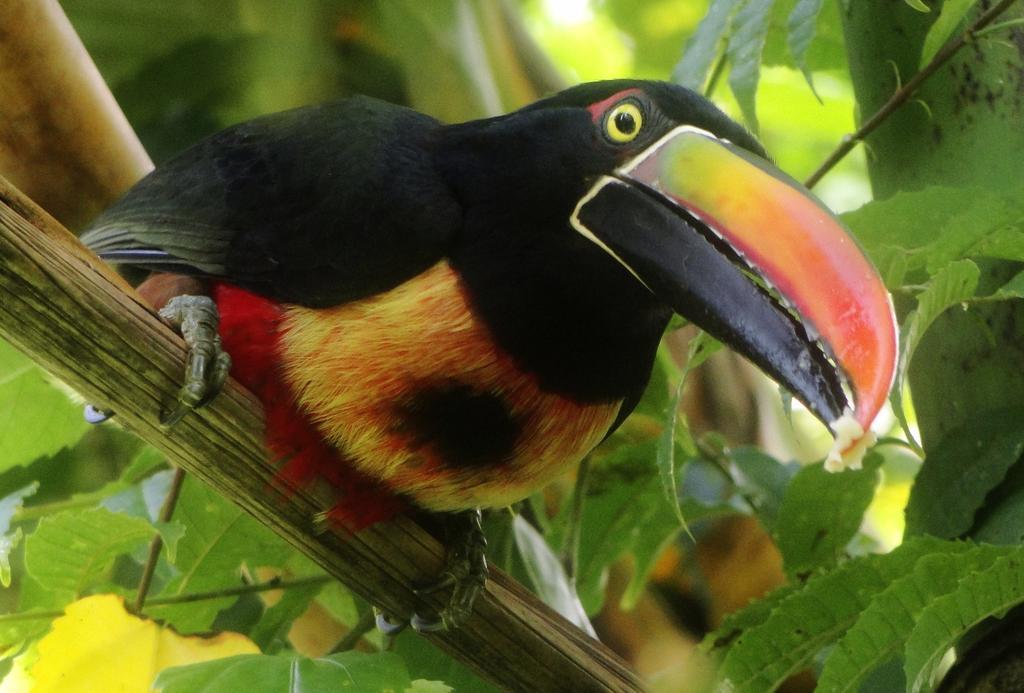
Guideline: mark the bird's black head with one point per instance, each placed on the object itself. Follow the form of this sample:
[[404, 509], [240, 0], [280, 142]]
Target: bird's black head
[[684, 199], [552, 150], [628, 115]]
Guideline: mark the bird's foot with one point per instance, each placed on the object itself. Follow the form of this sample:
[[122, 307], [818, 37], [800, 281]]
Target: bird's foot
[[465, 573], [207, 364]]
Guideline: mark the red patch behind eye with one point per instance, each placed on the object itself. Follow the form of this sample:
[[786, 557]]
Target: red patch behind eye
[[597, 110]]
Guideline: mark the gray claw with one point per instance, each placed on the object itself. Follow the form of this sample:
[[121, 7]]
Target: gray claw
[[207, 364], [421, 624], [386, 626], [96, 416], [447, 579], [218, 375]]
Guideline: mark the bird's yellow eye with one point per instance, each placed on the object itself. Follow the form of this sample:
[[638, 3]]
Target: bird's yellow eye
[[623, 123]]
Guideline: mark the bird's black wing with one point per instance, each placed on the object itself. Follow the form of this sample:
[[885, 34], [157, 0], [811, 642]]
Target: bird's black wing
[[316, 206]]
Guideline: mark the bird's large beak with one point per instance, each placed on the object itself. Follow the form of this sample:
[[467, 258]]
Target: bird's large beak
[[751, 256]]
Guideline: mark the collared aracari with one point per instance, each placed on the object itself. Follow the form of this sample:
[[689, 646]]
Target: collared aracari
[[448, 317]]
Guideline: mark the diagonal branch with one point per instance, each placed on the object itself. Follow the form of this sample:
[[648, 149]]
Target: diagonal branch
[[901, 95], [76, 318]]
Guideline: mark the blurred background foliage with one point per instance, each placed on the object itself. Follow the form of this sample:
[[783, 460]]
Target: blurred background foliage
[[610, 547]]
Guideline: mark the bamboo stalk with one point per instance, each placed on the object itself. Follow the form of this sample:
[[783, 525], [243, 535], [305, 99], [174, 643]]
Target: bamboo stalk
[[63, 138]]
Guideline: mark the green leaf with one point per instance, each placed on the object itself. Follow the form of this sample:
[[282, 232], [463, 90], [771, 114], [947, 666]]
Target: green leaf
[[37, 417], [34, 596], [879, 634], [356, 671], [703, 46], [624, 512], [339, 603], [805, 20], [142, 465], [271, 631], [8, 542], [801, 27], [752, 615], [763, 481], [9, 505], [548, 576], [648, 547], [938, 225], [219, 539], [815, 615], [425, 661], [702, 347], [961, 470], [1001, 519], [750, 29], [950, 17], [983, 594], [1013, 288], [918, 5], [657, 395], [955, 283], [170, 533], [707, 494], [676, 431], [71, 551], [20, 627], [821, 512]]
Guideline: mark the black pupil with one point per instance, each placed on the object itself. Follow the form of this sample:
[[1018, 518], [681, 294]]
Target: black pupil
[[625, 122]]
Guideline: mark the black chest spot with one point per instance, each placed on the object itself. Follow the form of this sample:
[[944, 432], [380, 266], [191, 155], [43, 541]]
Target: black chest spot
[[464, 426]]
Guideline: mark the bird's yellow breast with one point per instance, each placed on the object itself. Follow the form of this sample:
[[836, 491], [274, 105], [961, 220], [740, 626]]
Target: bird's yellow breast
[[411, 388]]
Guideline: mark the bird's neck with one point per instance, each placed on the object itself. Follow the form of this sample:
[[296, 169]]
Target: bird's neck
[[555, 301], [565, 309]]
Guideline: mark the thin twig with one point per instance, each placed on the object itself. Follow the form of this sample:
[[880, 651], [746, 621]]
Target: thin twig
[[166, 512], [363, 626], [901, 95], [273, 584]]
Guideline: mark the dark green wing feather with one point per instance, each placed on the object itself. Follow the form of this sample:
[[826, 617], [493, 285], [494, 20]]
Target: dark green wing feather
[[316, 206]]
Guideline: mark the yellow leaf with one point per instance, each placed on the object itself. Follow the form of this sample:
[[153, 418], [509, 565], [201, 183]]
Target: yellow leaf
[[98, 646]]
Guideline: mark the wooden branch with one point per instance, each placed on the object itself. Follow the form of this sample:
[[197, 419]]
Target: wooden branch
[[70, 313], [63, 138]]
